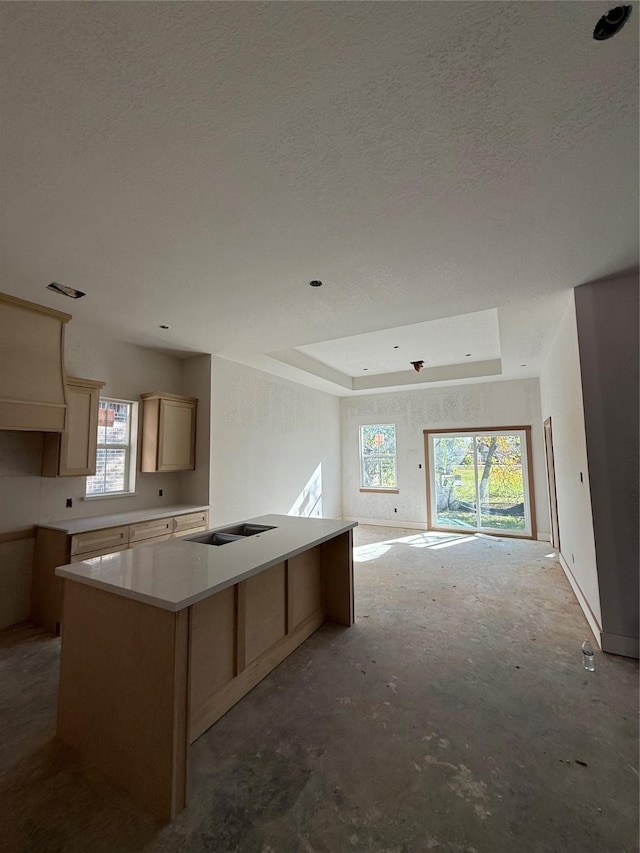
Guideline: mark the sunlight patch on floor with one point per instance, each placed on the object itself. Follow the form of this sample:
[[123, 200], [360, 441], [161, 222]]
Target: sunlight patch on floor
[[366, 553]]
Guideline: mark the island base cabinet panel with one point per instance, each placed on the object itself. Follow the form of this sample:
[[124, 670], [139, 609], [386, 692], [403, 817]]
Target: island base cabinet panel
[[213, 648], [239, 635], [337, 579], [304, 587], [220, 701], [261, 613], [123, 696]]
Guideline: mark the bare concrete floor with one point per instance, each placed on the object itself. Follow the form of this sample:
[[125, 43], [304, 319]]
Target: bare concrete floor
[[454, 716]]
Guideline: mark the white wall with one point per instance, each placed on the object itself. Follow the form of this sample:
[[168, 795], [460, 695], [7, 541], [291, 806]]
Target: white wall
[[26, 498], [607, 314], [513, 403], [196, 382], [275, 446], [561, 400]]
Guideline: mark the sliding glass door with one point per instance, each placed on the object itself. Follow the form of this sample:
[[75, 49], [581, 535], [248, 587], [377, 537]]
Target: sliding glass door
[[479, 481]]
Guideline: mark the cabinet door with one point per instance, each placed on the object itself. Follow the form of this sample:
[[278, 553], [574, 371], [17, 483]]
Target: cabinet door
[[78, 443], [72, 453], [176, 438]]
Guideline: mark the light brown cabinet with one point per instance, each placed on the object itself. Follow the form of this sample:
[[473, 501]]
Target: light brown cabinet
[[72, 453], [168, 432], [145, 530], [58, 548], [32, 388]]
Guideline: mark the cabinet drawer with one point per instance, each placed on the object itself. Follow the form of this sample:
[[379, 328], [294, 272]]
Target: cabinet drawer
[[149, 529], [151, 541], [185, 523], [98, 540], [79, 558]]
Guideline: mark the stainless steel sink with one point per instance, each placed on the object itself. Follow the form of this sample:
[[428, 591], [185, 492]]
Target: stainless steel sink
[[229, 534]]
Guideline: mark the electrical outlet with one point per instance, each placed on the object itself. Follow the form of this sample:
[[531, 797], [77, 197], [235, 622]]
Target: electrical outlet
[[69, 502], [419, 465], [395, 509], [581, 477], [160, 492]]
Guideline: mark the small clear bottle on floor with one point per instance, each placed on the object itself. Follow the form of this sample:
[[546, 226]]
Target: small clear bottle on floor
[[587, 656]]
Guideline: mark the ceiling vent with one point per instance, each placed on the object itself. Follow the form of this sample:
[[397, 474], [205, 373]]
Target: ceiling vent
[[65, 290], [611, 23]]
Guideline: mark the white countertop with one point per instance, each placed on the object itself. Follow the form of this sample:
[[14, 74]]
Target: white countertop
[[99, 522], [175, 574]]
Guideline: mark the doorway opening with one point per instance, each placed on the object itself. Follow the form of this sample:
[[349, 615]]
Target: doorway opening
[[480, 480], [551, 484]]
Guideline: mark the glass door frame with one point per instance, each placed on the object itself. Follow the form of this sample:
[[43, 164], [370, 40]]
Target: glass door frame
[[530, 531]]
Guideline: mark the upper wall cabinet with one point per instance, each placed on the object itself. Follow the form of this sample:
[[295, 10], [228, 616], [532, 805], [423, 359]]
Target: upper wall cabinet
[[32, 387], [72, 453], [168, 432]]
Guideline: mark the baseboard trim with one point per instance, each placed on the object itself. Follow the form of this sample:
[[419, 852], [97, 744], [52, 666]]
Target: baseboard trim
[[618, 644], [421, 525], [582, 601], [383, 522]]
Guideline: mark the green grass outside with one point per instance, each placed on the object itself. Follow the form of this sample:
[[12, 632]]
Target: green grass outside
[[456, 518], [505, 490]]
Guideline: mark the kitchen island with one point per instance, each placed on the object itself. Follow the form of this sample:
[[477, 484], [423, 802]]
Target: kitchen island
[[160, 641]]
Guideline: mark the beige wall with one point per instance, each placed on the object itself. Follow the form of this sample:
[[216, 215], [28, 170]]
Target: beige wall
[[275, 446], [484, 404]]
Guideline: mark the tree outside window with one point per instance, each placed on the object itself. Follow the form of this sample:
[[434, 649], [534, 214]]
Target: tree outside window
[[378, 456]]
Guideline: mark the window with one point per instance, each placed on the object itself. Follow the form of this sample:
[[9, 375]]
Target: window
[[115, 458], [479, 480], [378, 456]]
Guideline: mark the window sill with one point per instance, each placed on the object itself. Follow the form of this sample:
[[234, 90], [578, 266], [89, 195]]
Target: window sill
[[382, 491], [109, 496]]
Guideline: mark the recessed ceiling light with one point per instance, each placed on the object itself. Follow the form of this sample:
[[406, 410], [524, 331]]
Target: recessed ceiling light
[[315, 283], [523, 365], [396, 346], [163, 327], [611, 23], [65, 290]]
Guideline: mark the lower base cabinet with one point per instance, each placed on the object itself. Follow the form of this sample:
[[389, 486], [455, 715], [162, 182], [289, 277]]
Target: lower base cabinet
[[58, 548]]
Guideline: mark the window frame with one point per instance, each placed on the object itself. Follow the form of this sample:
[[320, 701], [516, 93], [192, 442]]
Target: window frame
[[130, 449], [530, 531], [390, 490]]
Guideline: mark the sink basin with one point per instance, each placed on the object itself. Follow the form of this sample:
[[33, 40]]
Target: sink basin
[[228, 534]]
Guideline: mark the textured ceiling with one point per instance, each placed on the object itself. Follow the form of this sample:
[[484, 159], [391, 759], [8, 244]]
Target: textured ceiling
[[436, 343], [196, 164]]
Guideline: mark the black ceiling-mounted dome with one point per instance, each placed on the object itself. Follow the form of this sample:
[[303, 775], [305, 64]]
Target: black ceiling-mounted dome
[[611, 23]]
